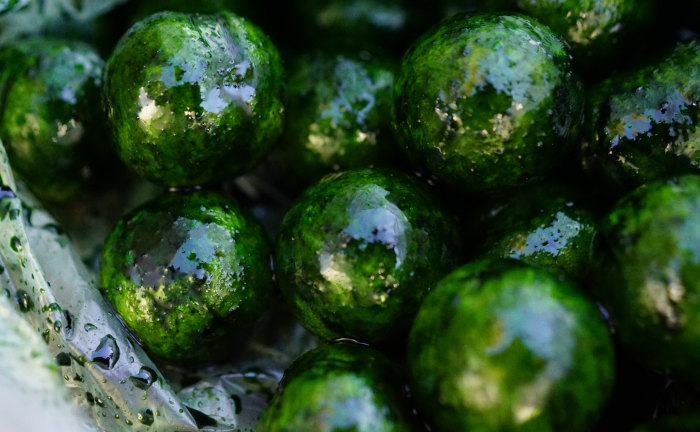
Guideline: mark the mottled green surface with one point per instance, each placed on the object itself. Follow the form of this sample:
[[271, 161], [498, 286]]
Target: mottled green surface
[[546, 225], [339, 114], [593, 28], [486, 102], [502, 346], [338, 387], [650, 282], [358, 252], [193, 98], [643, 126], [187, 273], [50, 117], [361, 24]]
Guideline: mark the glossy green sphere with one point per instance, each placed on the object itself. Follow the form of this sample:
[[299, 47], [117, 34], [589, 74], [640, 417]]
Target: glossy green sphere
[[193, 98], [50, 117], [486, 102], [643, 126], [338, 387], [187, 273], [339, 115], [650, 279], [358, 252], [503, 346], [547, 225]]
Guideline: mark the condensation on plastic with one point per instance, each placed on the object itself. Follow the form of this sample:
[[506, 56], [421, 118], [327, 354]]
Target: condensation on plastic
[[57, 295], [32, 395]]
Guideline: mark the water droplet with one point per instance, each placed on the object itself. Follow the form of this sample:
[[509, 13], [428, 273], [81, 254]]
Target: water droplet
[[24, 301], [106, 354], [6, 192], [237, 403], [69, 324], [15, 244], [89, 327], [63, 359], [57, 326], [145, 416], [14, 214], [144, 379], [90, 398]]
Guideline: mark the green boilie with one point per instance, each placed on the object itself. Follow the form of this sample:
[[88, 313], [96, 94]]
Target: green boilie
[[487, 102], [546, 225], [188, 274], [358, 252], [499, 345], [643, 126], [650, 278], [193, 98], [50, 117], [339, 114], [338, 387]]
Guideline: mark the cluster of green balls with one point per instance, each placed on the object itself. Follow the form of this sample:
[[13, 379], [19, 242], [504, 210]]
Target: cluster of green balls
[[487, 284]]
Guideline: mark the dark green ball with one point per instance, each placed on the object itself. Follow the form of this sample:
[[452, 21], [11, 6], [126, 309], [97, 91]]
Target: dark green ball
[[358, 252], [339, 114], [487, 102], [193, 98], [188, 273], [643, 126], [503, 346], [50, 117], [650, 279], [547, 225], [338, 387]]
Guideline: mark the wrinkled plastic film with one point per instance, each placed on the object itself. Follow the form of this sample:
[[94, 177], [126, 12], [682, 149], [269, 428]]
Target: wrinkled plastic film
[[56, 294]]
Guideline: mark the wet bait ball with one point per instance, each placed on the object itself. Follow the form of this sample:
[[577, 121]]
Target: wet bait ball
[[359, 251], [503, 346], [187, 273], [487, 102], [50, 121], [193, 98]]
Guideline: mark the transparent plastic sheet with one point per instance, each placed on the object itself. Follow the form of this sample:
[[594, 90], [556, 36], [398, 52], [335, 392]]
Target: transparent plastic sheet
[[32, 396], [105, 368], [25, 17]]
